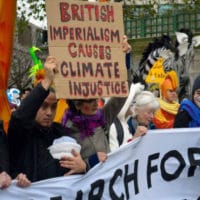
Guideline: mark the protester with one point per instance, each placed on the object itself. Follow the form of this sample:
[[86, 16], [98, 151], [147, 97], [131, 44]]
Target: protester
[[31, 131], [119, 131], [4, 156], [5, 179], [164, 117], [90, 125], [143, 112], [189, 112], [137, 118]]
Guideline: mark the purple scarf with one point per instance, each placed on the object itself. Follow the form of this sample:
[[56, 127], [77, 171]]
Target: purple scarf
[[85, 123]]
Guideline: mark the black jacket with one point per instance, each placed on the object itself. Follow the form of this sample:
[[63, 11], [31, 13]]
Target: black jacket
[[28, 141], [4, 157], [182, 119]]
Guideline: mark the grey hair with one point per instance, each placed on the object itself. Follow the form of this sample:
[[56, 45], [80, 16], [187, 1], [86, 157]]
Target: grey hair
[[145, 99]]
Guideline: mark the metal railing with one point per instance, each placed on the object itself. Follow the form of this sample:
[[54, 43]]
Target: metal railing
[[148, 27]]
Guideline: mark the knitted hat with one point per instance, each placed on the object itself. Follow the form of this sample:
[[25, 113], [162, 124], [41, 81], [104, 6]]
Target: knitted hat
[[170, 83], [196, 85]]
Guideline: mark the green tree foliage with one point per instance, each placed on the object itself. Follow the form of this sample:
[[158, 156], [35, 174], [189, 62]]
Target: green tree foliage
[[19, 73], [31, 8], [27, 9], [36, 8]]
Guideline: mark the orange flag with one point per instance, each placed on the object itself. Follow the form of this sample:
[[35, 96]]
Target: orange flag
[[7, 27]]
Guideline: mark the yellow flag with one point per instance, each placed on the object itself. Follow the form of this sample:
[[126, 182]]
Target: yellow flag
[[156, 73]]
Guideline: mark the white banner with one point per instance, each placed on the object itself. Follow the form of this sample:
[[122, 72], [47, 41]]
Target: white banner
[[164, 164]]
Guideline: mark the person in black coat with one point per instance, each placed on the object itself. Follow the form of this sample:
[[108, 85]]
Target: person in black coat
[[4, 157], [5, 179], [32, 130], [188, 115]]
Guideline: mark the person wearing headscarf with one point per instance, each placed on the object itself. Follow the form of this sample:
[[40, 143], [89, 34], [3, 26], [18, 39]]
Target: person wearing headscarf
[[164, 117], [188, 115]]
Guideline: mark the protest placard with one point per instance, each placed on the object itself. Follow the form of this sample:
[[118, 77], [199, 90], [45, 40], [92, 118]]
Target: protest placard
[[86, 39]]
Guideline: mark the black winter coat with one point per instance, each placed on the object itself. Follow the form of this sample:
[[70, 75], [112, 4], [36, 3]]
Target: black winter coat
[[182, 119], [4, 156], [28, 141]]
